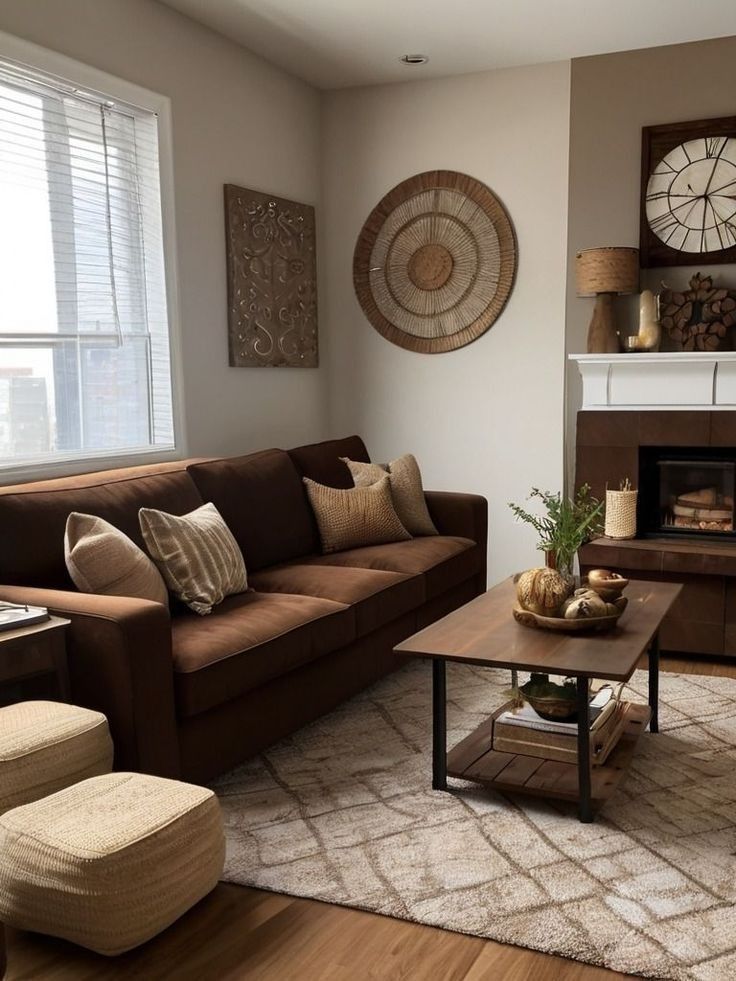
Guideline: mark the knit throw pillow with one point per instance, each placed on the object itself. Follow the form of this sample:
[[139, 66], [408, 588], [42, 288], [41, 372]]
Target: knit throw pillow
[[101, 559], [197, 555], [355, 517], [406, 490]]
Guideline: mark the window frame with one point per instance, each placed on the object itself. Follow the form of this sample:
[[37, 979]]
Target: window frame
[[103, 84]]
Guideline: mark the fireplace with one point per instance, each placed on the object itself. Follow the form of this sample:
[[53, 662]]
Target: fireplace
[[684, 466], [686, 492]]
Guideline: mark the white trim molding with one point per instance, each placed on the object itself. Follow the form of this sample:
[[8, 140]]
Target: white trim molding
[[663, 380]]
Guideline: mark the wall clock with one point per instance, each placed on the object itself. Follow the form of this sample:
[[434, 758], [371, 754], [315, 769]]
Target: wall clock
[[435, 262], [688, 193]]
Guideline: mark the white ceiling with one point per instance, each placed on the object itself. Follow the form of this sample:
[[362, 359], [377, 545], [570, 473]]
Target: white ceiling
[[337, 43]]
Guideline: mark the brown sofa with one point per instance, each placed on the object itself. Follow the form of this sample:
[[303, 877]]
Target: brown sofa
[[193, 696]]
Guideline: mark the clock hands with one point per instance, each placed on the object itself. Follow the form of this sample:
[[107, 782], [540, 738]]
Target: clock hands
[[723, 187], [716, 160], [691, 204]]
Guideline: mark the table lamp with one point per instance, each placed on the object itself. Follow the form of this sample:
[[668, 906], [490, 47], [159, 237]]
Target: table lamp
[[603, 273]]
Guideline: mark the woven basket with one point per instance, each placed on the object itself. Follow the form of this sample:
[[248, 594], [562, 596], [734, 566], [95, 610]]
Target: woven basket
[[620, 514]]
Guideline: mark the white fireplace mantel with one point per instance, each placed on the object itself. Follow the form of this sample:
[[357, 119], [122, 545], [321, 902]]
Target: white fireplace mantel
[[665, 380]]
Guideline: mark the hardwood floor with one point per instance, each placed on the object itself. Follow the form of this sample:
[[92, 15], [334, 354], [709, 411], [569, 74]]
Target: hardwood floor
[[238, 933]]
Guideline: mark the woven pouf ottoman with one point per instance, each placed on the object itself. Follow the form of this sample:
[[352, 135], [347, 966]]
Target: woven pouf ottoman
[[110, 862], [45, 746]]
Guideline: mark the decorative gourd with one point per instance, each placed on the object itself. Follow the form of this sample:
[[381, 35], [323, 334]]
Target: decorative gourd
[[584, 603], [542, 591]]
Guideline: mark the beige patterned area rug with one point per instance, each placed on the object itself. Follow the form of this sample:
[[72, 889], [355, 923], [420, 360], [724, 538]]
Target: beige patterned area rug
[[343, 812]]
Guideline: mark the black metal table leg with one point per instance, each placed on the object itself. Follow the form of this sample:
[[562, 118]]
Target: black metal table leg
[[654, 683], [439, 726], [585, 810]]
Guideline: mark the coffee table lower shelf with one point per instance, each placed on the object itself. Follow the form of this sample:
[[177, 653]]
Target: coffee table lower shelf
[[474, 759]]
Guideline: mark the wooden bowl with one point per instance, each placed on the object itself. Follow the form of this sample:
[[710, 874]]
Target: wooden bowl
[[608, 589], [553, 709], [560, 624]]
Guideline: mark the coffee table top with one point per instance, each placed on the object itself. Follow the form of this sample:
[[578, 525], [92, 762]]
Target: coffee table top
[[484, 632]]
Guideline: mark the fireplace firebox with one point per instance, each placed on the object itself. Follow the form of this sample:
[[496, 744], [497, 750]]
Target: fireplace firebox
[[687, 492]]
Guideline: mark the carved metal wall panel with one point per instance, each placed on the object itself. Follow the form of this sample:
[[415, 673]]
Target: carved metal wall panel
[[271, 280]]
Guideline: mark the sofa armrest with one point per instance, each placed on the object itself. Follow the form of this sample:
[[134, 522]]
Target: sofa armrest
[[465, 515], [120, 663]]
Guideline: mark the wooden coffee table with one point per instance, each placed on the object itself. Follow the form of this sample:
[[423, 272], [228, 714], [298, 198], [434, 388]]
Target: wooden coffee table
[[484, 633]]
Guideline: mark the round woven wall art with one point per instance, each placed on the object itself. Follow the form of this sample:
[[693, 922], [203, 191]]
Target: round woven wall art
[[435, 262]]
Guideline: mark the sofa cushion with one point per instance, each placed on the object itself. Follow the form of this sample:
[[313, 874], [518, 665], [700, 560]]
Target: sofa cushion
[[321, 461], [249, 639], [377, 596], [33, 516], [443, 561], [262, 500]]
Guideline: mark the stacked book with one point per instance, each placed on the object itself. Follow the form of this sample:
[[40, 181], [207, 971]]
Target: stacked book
[[521, 730]]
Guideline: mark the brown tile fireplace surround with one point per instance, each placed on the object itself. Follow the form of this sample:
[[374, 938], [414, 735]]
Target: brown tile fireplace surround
[[611, 446]]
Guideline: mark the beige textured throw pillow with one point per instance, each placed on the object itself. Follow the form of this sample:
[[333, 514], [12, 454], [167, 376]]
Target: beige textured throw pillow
[[406, 489], [197, 554], [355, 517], [101, 559]]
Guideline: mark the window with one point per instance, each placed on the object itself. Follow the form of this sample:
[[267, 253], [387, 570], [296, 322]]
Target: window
[[85, 366]]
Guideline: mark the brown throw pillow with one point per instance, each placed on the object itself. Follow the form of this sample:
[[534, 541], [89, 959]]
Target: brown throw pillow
[[355, 517], [101, 559], [197, 555], [406, 489]]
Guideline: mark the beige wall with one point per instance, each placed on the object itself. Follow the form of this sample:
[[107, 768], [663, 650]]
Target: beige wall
[[235, 119], [612, 97], [489, 417]]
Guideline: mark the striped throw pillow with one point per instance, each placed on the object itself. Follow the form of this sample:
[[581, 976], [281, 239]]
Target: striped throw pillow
[[196, 554]]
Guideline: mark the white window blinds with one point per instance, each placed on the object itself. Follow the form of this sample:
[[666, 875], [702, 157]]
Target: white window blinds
[[85, 364]]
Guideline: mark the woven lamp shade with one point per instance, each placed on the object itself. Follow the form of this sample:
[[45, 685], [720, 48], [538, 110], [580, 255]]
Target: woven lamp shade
[[608, 270]]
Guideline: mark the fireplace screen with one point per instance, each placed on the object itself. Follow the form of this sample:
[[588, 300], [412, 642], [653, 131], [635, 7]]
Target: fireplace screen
[[696, 496]]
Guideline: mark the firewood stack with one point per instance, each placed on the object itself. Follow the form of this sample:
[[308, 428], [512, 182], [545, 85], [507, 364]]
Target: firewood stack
[[700, 318], [703, 510]]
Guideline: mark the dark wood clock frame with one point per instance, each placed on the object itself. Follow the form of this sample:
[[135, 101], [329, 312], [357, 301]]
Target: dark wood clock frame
[[656, 143]]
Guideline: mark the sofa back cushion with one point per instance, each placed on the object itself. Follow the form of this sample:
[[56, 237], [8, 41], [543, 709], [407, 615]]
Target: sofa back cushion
[[262, 500], [321, 461], [33, 516]]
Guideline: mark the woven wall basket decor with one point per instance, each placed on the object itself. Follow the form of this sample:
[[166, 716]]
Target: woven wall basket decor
[[435, 262]]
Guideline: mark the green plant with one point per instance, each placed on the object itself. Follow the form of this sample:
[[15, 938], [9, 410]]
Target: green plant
[[566, 524]]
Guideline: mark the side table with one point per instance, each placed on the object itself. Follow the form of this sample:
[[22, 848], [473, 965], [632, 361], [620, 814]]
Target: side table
[[35, 650]]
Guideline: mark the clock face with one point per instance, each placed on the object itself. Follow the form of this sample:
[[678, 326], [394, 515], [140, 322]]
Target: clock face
[[691, 196]]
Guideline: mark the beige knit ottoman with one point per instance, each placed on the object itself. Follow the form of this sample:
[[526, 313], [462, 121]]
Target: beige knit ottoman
[[110, 862], [45, 746]]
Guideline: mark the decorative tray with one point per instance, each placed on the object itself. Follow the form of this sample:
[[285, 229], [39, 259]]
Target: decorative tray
[[529, 619]]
